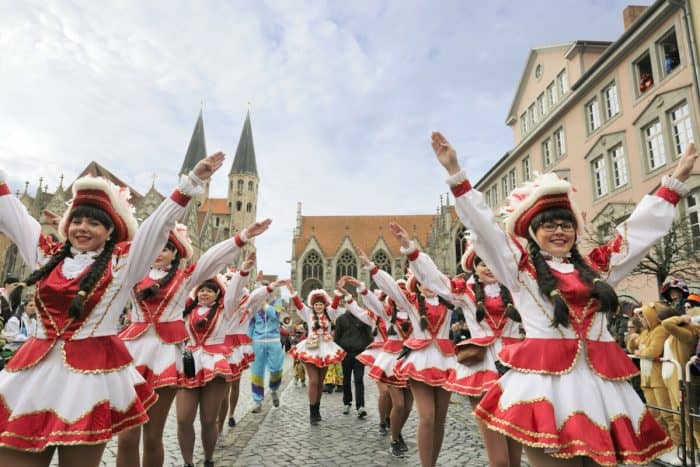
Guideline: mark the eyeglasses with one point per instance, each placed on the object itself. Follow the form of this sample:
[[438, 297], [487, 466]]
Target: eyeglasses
[[552, 226]]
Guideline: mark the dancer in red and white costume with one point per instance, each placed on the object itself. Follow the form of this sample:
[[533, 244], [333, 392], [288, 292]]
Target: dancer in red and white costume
[[82, 287], [566, 395], [241, 351], [205, 382], [430, 360], [488, 311], [157, 330], [318, 350], [375, 317]]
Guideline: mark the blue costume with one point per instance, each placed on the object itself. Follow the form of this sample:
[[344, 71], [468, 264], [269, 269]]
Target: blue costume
[[264, 329]]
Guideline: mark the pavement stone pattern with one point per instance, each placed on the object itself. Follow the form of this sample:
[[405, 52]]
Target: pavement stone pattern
[[283, 436]]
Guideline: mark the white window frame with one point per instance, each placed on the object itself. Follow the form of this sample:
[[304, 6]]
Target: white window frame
[[654, 145], [504, 186], [593, 115], [541, 105], [692, 211], [532, 116], [612, 102], [552, 94], [681, 127], [547, 152], [512, 179], [523, 123], [618, 163], [562, 83], [527, 170], [559, 143], [600, 176]]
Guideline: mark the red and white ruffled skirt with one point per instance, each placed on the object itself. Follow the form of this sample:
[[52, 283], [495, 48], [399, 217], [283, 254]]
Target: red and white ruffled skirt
[[474, 380], [207, 366], [369, 355], [574, 414], [327, 353], [159, 363], [51, 404], [428, 365]]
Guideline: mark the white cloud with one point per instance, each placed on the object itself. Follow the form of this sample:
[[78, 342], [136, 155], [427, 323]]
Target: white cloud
[[344, 94]]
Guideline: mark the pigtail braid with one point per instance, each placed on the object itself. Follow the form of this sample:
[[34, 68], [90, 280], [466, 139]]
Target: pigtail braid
[[511, 311], [548, 286], [600, 290]]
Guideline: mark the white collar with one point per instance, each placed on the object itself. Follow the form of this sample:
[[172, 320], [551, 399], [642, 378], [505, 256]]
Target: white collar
[[91, 254], [492, 290], [434, 301], [157, 274]]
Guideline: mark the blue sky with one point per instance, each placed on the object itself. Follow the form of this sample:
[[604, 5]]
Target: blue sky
[[343, 95]]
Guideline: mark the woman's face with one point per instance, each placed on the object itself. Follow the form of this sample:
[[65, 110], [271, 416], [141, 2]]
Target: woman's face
[[206, 296], [675, 294], [30, 308], [87, 234], [484, 273], [164, 258], [319, 306], [556, 237]]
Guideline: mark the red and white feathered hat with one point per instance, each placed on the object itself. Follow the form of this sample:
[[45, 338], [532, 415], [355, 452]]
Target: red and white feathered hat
[[318, 294], [104, 195], [181, 239], [544, 192], [467, 260]]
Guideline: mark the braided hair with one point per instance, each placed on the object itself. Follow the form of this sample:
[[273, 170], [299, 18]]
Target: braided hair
[[600, 290], [97, 269], [420, 298], [148, 292], [511, 311], [212, 285], [394, 312]]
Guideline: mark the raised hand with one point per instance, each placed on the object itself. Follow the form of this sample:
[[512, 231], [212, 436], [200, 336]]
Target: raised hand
[[686, 163], [341, 283], [445, 153], [363, 257], [51, 217], [352, 281], [280, 282], [207, 166], [400, 234], [257, 228], [249, 262]]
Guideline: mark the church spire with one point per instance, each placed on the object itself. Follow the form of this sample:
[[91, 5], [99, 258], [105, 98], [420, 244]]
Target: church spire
[[244, 162], [197, 150]]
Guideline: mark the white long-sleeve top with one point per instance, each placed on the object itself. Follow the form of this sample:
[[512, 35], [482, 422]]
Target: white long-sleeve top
[[511, 265], [306, 314], [18, 330], [131, 261]]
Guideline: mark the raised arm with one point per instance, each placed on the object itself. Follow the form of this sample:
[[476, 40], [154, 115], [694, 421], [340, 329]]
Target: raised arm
[[387, 283], [234, 289], [226, 252], [18, 225], [648, 223], [492, 244], [425, 269], [352, 306], [369, 300], [152, 235], [302, 310], [258, 296]]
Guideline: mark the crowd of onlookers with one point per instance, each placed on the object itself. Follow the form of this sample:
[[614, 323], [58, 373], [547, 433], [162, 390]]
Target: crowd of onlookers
[[17, 318]]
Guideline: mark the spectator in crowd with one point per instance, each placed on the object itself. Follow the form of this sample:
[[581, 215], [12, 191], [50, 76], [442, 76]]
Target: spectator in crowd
[[634, 329], [299, 370], [675, 292], [617, 322], [6, 308], [353, 336], [19, 327]]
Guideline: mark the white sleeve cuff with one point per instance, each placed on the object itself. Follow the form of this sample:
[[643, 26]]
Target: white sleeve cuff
[[243, 234], [412, 247], [676, 185], [457, 178], [190, 185], [369, 267]]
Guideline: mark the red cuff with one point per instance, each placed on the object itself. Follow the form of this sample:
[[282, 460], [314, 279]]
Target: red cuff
[[180, 198], [269, 289], [348, 301], [373, 271], [668, 194], [4, 189], [297, 302], [461, 188], [336, 301], [244, 273], [412, 256], [364, 292], [239, 241]]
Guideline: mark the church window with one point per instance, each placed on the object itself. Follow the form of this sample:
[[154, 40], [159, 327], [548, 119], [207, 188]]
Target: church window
[[312, 267], [248, 207], [382, 261], [250, 186], [240, 186], [239, 205], [346, 265]]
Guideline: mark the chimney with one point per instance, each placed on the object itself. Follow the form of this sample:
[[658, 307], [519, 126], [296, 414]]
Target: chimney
[[631, 13]]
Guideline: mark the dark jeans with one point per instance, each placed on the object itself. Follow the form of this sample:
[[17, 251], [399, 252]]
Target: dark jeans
[[355, 370]]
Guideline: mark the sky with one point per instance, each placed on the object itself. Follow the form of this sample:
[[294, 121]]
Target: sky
[[342, 95]]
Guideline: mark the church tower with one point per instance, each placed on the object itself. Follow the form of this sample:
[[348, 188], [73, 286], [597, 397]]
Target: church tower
[[243, 182], [196, 151]]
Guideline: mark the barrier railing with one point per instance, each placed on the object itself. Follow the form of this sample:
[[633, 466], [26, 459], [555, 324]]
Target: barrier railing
[[684, 412]]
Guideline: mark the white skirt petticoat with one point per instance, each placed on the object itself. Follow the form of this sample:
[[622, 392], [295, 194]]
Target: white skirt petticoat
[[383, 369], [474, 380], [428, 365], [208, 366], [50, 404]]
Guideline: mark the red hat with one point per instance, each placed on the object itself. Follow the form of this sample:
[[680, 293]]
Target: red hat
[[181, 239], [318, 294], [546, 191], [104, 195]]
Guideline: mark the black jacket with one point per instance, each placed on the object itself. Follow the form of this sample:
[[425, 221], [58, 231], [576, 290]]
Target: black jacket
[[352, 334]]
